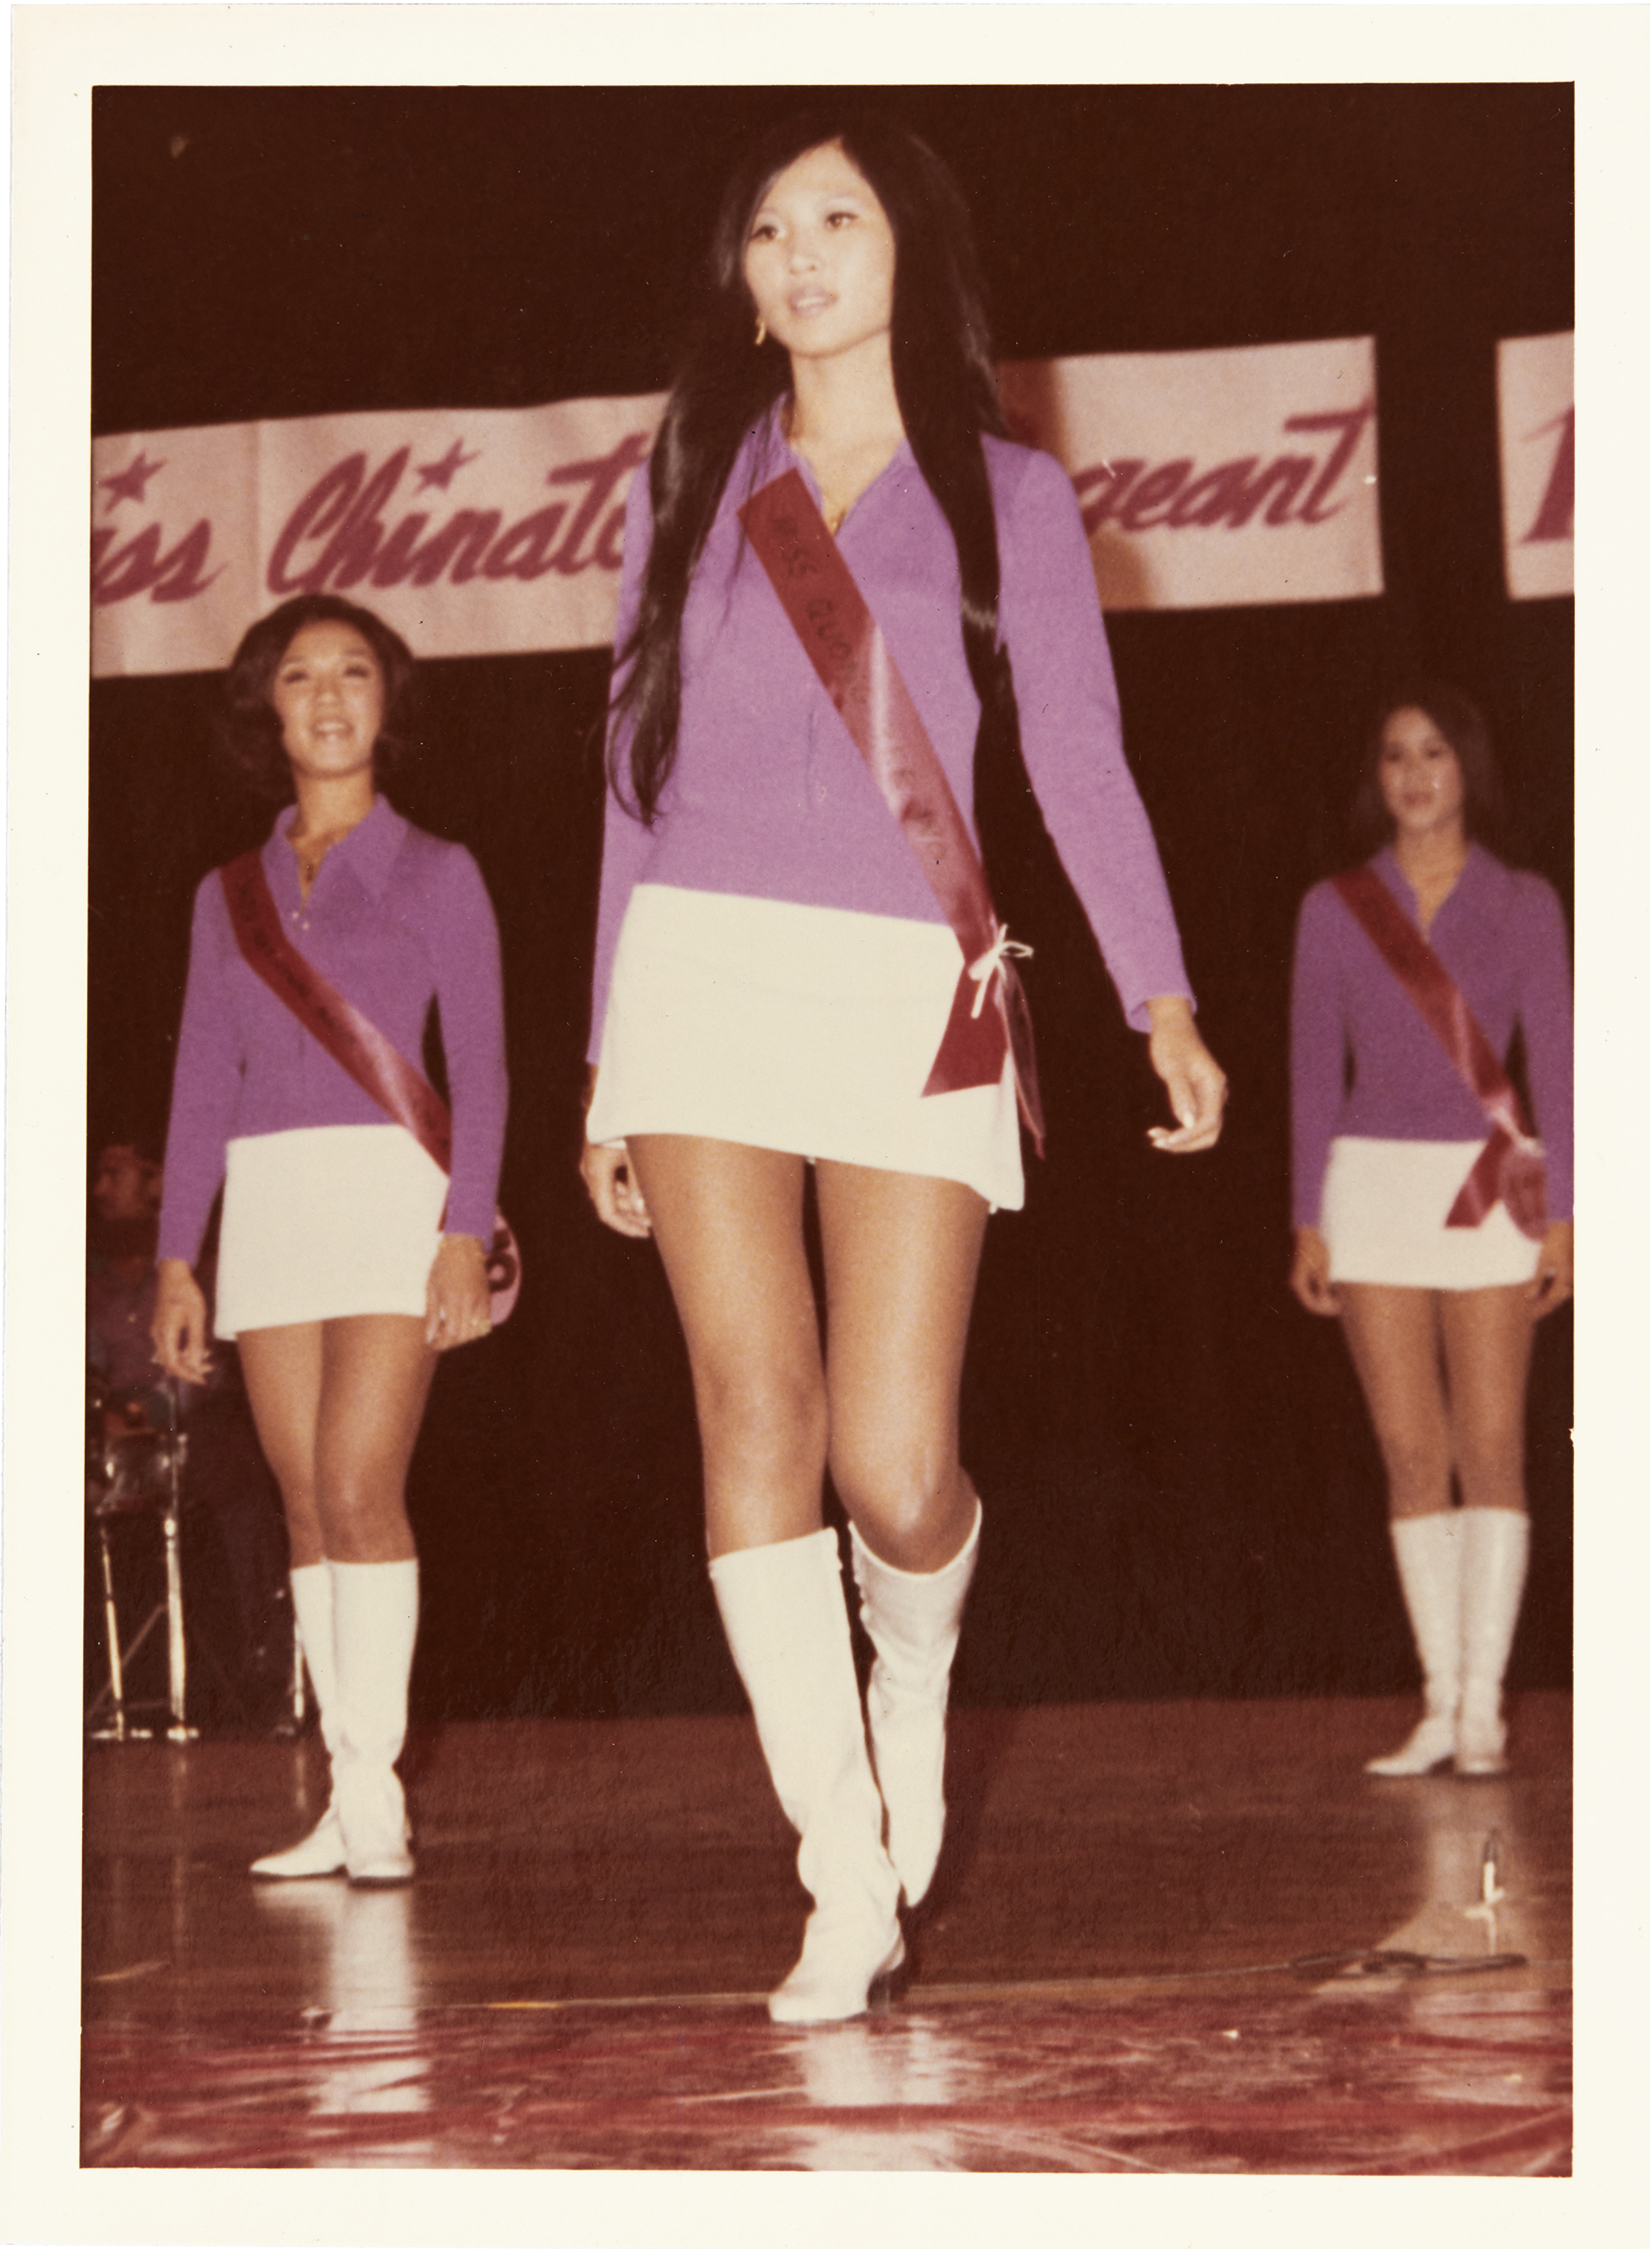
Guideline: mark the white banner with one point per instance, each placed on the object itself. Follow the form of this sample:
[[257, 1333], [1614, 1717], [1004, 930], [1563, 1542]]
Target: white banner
[[1535, 380], [480, 534], [1206, 478], [1210, 479]]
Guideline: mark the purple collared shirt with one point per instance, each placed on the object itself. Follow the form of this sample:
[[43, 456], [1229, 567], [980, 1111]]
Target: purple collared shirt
[[392, 929], [1363, 1060], [769, 797]]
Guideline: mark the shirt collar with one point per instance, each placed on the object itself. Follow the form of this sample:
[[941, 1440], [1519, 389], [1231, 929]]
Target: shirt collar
[[772, 453], [369, 850], [1466, 882]]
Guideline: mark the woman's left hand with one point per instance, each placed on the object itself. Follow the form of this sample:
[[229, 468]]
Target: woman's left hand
[[457, 1302], [1195, 1080], [1555, 1270]]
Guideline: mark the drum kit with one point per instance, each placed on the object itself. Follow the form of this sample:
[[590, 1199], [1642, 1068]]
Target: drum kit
[[136, 1451], [134, 1470]]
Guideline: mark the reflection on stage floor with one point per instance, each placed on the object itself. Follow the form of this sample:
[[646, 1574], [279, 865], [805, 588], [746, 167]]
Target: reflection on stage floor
[[1186, 1937]]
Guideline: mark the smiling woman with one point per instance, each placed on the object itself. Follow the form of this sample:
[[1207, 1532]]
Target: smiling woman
[[329, 698], [348, 1260]]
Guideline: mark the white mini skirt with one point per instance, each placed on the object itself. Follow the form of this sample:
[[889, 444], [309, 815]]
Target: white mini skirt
[[803, 1028], [1384, 1207], [324, 1223]]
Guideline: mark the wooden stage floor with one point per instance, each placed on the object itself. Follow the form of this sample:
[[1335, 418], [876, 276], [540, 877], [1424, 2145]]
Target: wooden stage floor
[[1147, 1951]]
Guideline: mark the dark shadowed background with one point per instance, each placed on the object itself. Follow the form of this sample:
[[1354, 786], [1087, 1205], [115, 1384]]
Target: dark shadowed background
[[1183, 1496]]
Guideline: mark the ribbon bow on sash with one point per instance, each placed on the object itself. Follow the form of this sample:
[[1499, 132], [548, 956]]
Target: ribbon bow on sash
[[1003, 947], [845, 645], [1510, 1168]]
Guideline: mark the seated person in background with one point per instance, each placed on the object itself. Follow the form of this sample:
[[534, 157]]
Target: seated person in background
[[120, 1287]]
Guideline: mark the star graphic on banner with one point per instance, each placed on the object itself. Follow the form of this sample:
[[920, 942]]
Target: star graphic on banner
[[443, 471], [129, 484]]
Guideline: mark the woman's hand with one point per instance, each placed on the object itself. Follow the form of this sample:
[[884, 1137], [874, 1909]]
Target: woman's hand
[[178, 1329], [1195, 1080], [457, 1301], [1555, 1270], [611, 1181], [1309, 1275]]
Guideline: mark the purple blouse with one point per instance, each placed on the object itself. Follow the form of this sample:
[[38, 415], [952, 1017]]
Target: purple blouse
[[769, 798], [1365, 1064], [392, 930]]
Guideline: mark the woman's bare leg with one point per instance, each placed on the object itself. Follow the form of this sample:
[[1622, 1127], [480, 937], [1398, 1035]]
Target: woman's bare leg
[[901, 1257], [1393, 1335], [728, 1222], [338, 1404], [375, 1379], [376, 1372], [282, 1368], [1486, 1335]]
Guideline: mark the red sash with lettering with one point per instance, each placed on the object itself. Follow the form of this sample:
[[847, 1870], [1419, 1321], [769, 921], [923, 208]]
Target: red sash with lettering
[[356, 1045], [989, 1016], [1510, 1168]]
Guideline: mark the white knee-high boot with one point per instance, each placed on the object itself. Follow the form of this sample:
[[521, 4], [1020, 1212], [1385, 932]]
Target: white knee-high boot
[[1429, 1550], [914, 1619], [1496, 1557], [787, 1625], [374, 1625], [322, 1849]]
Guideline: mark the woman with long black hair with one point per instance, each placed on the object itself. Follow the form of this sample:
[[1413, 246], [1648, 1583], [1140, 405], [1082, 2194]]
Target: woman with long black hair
[[349, 1258], [1431, 1217], [828, 567]]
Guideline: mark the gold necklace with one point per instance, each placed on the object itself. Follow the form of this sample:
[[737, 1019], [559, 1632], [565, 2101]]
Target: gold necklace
[[833, 516]]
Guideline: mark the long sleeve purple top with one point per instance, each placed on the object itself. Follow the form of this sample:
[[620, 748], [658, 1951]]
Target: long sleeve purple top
[[392, 929], [1364, 1062], [770, 798]]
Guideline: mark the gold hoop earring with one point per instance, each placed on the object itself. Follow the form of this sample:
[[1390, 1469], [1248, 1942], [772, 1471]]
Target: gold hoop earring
[[761, 333]]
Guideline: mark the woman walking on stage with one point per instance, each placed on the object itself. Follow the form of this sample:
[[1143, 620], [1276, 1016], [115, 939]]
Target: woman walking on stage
[[1421, 1217], [831, 562], [348, 1258]]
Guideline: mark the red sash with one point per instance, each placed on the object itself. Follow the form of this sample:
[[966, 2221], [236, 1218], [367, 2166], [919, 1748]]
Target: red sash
[[844, 642], [356, 1044], [1510, 1168]]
